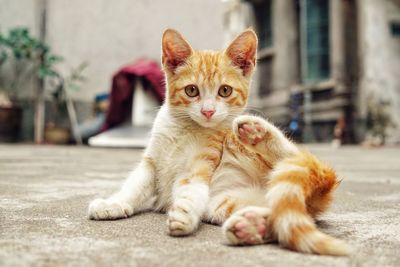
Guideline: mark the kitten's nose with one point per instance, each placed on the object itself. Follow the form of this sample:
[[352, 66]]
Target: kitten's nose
[[207, 113]]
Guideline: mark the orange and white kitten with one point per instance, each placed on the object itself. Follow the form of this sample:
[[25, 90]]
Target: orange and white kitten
[[205, 162]]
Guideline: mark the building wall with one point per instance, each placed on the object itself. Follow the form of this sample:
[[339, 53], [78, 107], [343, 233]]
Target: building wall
[[365, 60], [108, 34], [380, 58], [285, 70], [18, 13]]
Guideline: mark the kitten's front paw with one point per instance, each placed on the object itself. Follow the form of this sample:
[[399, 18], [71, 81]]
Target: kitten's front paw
[[247, 226], [109, 209], [251, 129], [182, 220]]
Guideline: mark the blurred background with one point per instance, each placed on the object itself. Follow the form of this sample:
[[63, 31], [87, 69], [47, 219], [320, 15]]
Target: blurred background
[[77, 72]]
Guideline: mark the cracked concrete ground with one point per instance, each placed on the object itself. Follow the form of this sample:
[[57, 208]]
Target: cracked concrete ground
[[45, 190]]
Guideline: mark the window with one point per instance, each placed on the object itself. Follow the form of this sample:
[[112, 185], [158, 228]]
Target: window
[[265, 69], [263, 20], [395, 28], [262, 12], [314, 29]]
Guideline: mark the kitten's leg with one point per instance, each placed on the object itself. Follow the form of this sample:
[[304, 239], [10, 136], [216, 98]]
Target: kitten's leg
[[223, 204], [243, 214], [263, 137], [135, 195], [191, 191], [300, 188], [249, 225], [189, 202]]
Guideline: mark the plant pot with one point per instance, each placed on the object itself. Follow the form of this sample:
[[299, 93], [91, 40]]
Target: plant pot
[[10, 123], [56, 135]]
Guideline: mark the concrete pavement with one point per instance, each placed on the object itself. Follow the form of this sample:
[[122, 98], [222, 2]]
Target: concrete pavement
[[45, 190]]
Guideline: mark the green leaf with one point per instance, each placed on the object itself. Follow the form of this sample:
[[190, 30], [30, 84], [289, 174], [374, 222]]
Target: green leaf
[[2, 40], [52, 59], [43, 72], [17, 53], [3, 57]]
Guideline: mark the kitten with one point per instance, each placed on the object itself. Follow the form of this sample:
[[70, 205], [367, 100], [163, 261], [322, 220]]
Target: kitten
[[251, 178]]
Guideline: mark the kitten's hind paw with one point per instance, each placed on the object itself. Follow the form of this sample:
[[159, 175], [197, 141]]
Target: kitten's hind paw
[[109, 209], [251, 130], [247, 226]]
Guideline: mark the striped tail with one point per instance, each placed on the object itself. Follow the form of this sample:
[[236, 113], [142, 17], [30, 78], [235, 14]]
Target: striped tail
[[301, 188]]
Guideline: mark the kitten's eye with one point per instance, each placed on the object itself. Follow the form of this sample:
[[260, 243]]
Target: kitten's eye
[[225, 91], [192, 90]]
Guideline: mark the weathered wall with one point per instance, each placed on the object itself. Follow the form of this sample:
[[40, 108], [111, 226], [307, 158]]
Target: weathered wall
[[18, 13], [109, 34], [380, 56]]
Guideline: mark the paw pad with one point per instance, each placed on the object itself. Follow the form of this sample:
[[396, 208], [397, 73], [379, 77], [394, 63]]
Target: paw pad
[[251, 132], [247, 227]]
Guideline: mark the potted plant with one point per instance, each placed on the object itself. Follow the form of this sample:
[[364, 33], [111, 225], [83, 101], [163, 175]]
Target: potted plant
[[22, 58], [378, 121], [10, 119], [62, 115]]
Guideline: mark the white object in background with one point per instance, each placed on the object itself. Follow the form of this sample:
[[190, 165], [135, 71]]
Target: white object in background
[[124, 135], [144, 106], [137, 132]]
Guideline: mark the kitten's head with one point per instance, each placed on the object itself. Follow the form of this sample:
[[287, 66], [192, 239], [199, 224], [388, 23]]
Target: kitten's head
[[208, 87]]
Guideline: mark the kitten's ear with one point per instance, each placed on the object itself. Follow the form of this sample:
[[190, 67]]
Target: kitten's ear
[[243, 51], [176, 50]]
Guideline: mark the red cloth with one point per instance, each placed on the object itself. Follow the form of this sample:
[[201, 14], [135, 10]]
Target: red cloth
[[122, 89]]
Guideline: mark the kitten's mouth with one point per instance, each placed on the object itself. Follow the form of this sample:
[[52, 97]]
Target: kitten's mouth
[[205, 122], [211, 123]]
